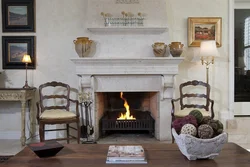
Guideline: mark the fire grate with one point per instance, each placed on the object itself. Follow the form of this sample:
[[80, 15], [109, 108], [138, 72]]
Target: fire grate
[[144, 121]]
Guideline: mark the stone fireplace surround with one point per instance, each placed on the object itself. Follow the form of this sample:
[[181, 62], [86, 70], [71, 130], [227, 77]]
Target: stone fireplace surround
[[152, 74]]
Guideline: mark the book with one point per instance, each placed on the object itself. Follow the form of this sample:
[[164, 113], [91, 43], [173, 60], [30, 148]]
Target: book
[[127, 161], [133, 154]]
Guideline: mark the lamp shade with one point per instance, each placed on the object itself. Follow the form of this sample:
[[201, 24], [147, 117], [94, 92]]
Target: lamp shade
[[26, 59], [208, 49]]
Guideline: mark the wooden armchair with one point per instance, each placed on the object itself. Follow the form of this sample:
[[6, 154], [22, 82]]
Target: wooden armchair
[[54, 108], [190, 101]]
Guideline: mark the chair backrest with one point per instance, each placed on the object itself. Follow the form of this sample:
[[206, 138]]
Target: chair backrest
[[54, 95], [185, 97]]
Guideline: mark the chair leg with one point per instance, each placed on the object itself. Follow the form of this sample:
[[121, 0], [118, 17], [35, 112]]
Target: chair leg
[[78, 132], [67, 133], [41, 131], [172, 138]]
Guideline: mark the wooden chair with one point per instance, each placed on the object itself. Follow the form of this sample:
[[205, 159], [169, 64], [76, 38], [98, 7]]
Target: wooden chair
[[190, 101], [54, 108]]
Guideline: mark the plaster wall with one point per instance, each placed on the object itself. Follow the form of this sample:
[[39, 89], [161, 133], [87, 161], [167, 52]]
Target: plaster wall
[[59, 22]]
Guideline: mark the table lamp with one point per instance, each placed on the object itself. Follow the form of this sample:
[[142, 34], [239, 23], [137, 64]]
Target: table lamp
[[208, 51], [26, 59]]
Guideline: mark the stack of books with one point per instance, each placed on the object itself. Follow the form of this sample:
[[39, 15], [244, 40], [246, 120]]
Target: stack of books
[[133, 154]]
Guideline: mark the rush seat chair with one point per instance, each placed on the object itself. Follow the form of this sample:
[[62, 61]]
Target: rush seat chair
[[54, 107]]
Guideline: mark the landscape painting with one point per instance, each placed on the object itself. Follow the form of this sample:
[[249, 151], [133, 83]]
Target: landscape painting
[[204, 28], [204, 32], [16, 51], [13, 50], [17, 15]]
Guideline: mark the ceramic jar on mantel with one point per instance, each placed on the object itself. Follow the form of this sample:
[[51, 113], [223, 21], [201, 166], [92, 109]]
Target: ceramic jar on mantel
[[176, 48], [83, 46], [159, 49]]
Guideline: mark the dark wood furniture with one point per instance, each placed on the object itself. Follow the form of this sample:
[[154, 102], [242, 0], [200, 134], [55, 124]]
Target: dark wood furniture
[[54, 108], [185, 96], [158, 155], [189, 101], [25, 96]]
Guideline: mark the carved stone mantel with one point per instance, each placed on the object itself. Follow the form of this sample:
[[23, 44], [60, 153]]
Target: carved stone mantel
[[152, 74], [109, 66], [165, 66]]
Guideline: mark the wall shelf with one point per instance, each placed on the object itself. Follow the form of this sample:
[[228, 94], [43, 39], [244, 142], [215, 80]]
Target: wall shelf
[[153, 30]]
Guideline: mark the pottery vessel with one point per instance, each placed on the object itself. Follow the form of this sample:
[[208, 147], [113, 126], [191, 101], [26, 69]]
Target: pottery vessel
[[159, 49], [176, 49], [83, 46]]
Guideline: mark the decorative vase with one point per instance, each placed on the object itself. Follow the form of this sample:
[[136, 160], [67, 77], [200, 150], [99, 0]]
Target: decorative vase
[[83, 46], [176, 48], [159, 49]]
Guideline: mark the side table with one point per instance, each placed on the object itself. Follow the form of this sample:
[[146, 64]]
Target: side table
[[22, 95]]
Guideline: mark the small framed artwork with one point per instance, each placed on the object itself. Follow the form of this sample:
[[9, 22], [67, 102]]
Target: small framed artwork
[[13, 49], [18, 16], [204, 28]]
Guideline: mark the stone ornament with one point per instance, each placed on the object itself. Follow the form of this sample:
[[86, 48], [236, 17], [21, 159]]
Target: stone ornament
[[195, 148]]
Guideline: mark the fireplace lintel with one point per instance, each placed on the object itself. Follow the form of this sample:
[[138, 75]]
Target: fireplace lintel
[[111, 66]]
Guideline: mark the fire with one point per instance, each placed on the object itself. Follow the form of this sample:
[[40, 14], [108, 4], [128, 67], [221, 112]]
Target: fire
[[127, 114]]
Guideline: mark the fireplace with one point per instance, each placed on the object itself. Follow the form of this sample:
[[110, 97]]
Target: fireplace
[[127, 112], [151, 76]]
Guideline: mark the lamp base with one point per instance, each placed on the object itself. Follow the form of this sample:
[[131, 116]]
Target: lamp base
[[26, 86]]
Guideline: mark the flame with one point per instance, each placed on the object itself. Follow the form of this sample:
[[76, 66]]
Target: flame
[[127, 114]]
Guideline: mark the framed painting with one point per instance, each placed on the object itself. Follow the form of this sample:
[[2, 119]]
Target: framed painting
[[18, 16], [13, 49], [204, 28]]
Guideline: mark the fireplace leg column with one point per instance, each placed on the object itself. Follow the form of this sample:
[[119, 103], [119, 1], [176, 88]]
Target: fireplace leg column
[[165, 108]]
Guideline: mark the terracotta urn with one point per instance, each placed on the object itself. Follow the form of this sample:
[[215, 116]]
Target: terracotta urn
[[176, 48], [159, 49], [83, 46]]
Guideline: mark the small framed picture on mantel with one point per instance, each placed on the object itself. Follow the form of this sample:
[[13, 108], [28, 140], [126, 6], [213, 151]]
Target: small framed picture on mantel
[[18, 15]]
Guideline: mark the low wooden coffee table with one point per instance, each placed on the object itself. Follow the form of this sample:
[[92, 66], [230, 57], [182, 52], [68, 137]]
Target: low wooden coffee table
[[158, 155]]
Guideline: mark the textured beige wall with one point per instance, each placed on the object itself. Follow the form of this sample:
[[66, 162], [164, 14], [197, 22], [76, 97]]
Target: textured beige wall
[[177, 12], [59, 22]]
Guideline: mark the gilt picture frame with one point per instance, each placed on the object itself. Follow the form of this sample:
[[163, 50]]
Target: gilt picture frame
[[204, 28], [18, 16], [13, 49]]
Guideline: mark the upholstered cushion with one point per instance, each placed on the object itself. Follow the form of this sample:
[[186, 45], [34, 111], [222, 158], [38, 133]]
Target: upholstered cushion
[[186, 111], [57, 114]]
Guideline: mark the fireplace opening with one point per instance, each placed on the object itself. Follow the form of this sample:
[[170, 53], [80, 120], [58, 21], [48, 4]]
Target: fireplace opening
[[127, 113]]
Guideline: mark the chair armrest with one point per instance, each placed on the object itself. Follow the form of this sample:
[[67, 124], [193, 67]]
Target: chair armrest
[[77, 106], [173, 107], [212, 107]]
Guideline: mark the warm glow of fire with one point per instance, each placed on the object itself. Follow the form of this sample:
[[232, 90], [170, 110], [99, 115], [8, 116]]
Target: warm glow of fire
[[127, 114]]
